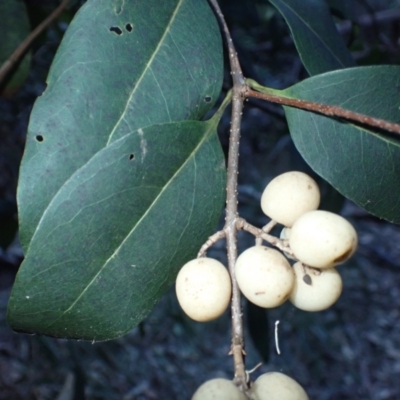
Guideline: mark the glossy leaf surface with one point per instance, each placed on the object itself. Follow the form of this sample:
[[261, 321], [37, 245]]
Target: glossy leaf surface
[[113, 238], [364, 165], [317, 40], [122, 65]]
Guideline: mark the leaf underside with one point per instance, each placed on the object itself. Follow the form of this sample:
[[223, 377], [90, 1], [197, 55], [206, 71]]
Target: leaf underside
[[364, 165], [113, 238]]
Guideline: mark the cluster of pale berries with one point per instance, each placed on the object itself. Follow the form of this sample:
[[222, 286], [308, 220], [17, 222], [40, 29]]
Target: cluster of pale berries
[[317, 240]]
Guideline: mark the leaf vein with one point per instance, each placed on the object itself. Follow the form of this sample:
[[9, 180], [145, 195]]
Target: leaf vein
[[115, 253], [147, 67]]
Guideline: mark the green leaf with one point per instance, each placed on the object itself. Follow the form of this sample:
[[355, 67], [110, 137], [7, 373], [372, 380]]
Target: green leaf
[[317, 40], [122, 65], [364, 165], [14, 28], [111, 241]]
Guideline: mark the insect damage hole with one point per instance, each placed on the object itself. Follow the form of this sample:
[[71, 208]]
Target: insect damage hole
[[207, 99], [129, 27], [116, 29], [39, 138], [131, 156]]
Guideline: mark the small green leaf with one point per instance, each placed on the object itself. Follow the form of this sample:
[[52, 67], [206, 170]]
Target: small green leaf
[[317, 40], [111, 241], [122, 65], [364, 165], [14, 28]]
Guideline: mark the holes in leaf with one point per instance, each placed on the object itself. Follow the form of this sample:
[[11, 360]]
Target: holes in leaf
[[129, 27], [39, 138], [131, 156], [116, 29], [207, 99]]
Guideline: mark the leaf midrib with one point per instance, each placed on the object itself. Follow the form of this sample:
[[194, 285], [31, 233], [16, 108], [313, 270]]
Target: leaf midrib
[[115, 252], [147, 68], [148, 65]]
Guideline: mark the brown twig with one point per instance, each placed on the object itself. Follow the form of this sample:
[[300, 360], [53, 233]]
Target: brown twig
[[268, 228], [231, 217], [24, 46], [210, 242], [330, 111], [281, 244]]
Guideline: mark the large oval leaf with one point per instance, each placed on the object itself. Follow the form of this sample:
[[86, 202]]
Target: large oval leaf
[[362, 164], [113, 238], [122, 65], [317, 40]]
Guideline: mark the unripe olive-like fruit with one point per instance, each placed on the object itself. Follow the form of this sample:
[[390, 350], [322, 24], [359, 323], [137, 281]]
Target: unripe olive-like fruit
[[277, 386], [314, 289], [322, 239], [288, 196], [203, 288], [218, 389], [264, 276]]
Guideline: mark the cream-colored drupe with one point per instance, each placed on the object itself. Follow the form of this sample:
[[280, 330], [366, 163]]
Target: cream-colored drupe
[[218, 389], [203, 287], [314, 289], [322, 239], [285, 233], [277, 386], [264, 276], [288, 196]]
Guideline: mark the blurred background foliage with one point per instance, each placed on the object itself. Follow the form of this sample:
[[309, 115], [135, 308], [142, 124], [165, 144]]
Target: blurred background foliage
[[349, 351]]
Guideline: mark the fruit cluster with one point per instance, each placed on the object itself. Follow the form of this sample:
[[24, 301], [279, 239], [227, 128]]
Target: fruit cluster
[[316, 240], [319, 240]]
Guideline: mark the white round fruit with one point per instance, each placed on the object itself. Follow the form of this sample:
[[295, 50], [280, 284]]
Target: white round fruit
[[285, 233], [288, 196], [203, 288], [264, 276], [277, 386], [314, 289], [218, 389], [322, 239]]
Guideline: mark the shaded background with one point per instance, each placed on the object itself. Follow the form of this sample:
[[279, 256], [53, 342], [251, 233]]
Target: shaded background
[[350, 351]]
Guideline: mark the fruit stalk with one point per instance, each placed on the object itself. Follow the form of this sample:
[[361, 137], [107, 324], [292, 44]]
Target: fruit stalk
[[231, 217]]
